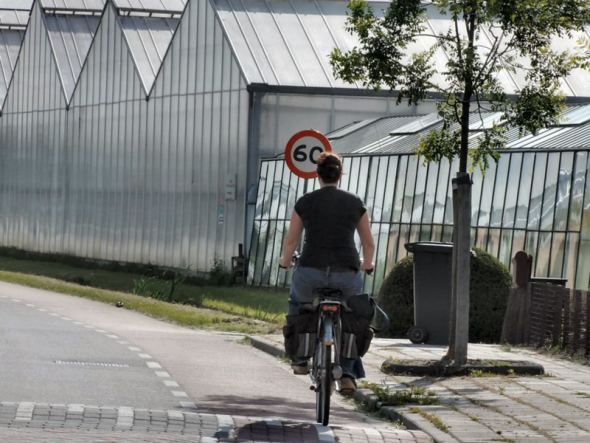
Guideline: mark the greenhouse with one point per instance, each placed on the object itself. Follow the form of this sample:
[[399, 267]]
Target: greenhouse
[[535, 198], [147, 131]]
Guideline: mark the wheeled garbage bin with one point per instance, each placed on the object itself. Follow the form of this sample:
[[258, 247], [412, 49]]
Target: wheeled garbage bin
[[432, 292]]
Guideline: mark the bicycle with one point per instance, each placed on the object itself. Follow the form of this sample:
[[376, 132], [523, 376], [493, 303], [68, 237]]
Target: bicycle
[[333, 343]]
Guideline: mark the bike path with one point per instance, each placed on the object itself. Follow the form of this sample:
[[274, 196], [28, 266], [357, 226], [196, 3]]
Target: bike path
[[131, 378], [483, 408]]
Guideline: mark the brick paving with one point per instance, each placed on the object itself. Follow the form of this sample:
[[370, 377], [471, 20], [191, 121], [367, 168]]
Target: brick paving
[[36, 422], [550, 408]]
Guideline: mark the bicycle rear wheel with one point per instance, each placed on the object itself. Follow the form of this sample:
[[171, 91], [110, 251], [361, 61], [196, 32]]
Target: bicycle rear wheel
[[324, 384]]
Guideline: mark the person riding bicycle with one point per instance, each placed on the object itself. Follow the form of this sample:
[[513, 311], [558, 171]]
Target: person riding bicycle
[[330, 217]]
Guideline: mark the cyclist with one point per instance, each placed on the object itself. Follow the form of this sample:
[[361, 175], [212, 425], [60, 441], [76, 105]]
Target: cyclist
[[330, 217]]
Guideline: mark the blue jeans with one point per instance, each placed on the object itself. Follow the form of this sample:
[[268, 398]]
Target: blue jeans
[[306, 280]]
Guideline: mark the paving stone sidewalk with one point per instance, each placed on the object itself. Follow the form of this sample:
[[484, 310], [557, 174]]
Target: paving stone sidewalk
[[36, 422], [550, 408]]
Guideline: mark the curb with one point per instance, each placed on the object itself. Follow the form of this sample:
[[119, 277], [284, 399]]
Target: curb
[[363, 396]]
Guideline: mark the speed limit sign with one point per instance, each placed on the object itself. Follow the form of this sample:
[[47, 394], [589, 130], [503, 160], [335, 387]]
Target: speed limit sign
[[303, 150]]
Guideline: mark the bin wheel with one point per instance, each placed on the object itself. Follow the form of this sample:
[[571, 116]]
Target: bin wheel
[[417, 335]]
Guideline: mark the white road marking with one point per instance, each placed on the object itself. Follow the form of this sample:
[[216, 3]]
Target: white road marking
[[125, 416], [171, 383], [102, 331], [188, 405], [180, 394], [162, 374], [53, 314], [16, 300], [325, 434], [41, 310], [66, 318], [24, 411], [113, 336], [225, 424], [89, 326], [30, 305], [77, 323], [145, 356], [153, 365], [123, 342], [134, 349]]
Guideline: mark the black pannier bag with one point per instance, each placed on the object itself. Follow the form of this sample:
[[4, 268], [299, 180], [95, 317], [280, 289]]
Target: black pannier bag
[[300, 335], [356, 325]]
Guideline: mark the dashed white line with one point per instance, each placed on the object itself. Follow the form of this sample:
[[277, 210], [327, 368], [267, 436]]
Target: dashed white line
[[53, 314], [123, 342], [134, 349], [89, 326], [41, 310], [180, 394], [153, 365], [162, 374], [102, 331], [113, 336], [30, 305], [171, 383], [188, 405], [145, 356], [66, 318], [78, 323], [16, 300]]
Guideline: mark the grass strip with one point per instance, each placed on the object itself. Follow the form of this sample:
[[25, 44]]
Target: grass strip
[[264, 304], [177, 313]]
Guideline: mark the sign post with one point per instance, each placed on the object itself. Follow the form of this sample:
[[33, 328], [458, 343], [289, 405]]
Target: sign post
[[303, 150]]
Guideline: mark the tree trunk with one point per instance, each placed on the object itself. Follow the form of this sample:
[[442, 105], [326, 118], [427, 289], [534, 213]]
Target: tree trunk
[[459, 315]]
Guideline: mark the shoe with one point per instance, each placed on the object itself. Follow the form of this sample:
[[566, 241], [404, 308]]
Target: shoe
[[300, 368], [346, 386]]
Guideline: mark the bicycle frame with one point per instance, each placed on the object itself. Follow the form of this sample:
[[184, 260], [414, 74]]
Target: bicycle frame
[[326, 362]]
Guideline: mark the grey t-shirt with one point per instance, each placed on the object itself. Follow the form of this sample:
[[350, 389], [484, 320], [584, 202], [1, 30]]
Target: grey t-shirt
[[330, 217]]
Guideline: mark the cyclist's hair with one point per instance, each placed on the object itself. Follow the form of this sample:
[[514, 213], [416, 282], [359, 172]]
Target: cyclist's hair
[[329, 167]]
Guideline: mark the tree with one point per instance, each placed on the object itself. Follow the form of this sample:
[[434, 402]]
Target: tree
[[485, 37]]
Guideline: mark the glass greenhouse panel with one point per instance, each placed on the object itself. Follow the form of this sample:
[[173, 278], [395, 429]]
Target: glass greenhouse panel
[[512, 187], [579, 183], [398, 201], [557, 255], [499, 198], [441, 191], [564, 184], [536, 200], [409, 189], [430, 192], [524, 191], [388, 182], [550, 192]]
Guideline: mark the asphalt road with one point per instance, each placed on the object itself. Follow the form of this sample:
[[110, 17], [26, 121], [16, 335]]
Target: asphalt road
[[62, 350]]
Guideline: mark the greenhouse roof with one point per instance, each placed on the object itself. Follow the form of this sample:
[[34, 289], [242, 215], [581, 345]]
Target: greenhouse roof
[[71, 37], [572, 132], [287, 43]]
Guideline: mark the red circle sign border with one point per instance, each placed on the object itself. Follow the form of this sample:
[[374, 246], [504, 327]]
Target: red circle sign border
[[291, 143]]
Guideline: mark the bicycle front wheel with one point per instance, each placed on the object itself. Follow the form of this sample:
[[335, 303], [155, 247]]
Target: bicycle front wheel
[[324, 384]]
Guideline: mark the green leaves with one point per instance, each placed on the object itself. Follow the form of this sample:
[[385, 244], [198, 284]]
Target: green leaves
[[483, 39]]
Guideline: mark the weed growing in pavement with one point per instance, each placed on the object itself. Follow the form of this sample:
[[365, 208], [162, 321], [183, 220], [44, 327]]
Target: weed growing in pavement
[[478, 373], [245, 341], [583, 394], [437, 422], [416, 395]]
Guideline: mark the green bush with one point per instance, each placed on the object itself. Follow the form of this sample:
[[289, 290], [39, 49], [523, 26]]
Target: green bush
[[490, 288]]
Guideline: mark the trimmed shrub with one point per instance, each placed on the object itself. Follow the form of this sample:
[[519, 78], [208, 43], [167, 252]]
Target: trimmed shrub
[[489, 291]]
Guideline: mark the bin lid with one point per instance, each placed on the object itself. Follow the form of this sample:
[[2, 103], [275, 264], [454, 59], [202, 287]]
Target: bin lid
[[430, 246]]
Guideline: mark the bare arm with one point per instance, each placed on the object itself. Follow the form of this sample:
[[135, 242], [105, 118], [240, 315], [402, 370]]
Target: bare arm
[[364, 230], [291, 240]]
